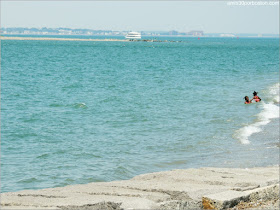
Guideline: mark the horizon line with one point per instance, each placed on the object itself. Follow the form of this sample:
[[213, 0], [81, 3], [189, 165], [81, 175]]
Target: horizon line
[[166, 30]]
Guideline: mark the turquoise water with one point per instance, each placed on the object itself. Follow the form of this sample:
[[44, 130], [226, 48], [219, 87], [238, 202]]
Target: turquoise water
[[80, 112]]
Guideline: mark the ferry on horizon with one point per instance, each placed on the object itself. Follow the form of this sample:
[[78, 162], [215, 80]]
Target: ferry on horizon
[[133, 35]]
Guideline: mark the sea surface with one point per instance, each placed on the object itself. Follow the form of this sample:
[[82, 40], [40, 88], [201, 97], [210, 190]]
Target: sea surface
[[77, 112]]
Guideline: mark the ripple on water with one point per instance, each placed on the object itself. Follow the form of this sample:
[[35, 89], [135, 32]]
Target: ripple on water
[[29, 180], [75, 105], [80, 106], [172, 163], [43, 156]]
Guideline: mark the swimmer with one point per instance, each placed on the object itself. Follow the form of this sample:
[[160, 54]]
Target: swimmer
[[256, 97], [247, 101]]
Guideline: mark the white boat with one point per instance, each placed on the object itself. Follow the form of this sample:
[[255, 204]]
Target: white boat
[[133, 35]]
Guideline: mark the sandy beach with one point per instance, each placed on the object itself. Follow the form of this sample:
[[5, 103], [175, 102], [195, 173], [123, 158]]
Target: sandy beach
[[62, 39], [208, 188]]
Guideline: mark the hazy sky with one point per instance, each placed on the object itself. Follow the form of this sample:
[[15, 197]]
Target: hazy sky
[[183, 16]]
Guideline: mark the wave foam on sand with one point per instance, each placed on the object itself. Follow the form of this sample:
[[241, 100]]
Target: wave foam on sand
[[270, 110]]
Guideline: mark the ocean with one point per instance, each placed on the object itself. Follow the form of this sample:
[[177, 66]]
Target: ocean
[[77, 112]]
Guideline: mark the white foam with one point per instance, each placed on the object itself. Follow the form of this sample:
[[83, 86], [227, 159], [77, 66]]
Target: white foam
[[244, 133], [269, 111], [274, 92]]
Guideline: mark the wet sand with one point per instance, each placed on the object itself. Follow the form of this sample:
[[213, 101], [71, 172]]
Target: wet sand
[[176, 189]]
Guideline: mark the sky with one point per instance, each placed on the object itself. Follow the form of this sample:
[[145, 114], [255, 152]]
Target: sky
[[183, 16]]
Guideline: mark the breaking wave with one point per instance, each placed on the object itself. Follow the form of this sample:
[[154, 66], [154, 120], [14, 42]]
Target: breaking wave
[[270, 110]]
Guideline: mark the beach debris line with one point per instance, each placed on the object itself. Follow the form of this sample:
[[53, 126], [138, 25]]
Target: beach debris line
[[229, 199]]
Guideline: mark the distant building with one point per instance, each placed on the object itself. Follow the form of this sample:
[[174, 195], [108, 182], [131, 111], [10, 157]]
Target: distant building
[[195, 33], [173, 33], [227, 35], [64, 32]]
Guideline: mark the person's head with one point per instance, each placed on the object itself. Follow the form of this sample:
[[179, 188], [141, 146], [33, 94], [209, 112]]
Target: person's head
[[255, 93], [246, 98]]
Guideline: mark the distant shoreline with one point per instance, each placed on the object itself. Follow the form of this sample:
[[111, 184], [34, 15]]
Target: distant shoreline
[[62, 39], [78, 39]]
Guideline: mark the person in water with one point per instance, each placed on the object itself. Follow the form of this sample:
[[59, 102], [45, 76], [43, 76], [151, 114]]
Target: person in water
[[256, 97], [247, 101]]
